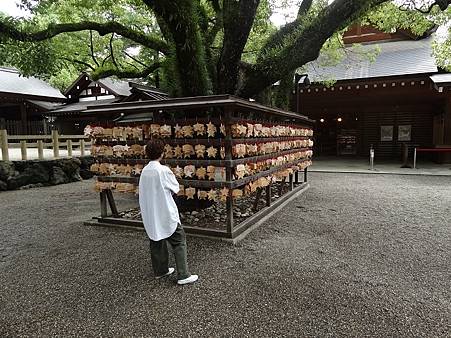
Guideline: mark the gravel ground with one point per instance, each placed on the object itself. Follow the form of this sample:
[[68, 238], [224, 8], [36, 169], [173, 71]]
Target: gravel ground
[[355, 256]]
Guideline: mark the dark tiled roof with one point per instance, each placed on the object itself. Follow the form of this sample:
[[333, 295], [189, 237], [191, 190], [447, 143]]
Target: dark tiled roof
[[139, 117], [12, 82], [394, 59], [116, 87], [46, 105], [81, 106], [442, 79]]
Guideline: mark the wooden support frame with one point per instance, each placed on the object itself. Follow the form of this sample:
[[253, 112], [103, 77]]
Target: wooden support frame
[[107, 196], [103, 205], [229, 113], [239, 231]]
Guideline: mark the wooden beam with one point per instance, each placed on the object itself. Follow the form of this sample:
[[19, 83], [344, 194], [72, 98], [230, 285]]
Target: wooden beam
[[23, 118]]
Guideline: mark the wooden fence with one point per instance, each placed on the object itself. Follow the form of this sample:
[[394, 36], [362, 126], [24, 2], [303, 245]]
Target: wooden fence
[[69, 142]]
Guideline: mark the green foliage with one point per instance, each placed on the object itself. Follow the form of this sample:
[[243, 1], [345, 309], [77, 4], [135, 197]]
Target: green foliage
[[73, 52], [260, 32], [193, 31], [388, 17]]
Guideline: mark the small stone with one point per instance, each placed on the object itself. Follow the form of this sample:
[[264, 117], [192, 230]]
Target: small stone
[[196, 219], [194, 212]]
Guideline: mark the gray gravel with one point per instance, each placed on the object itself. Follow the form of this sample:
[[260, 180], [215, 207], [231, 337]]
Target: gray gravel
[[356, 256]]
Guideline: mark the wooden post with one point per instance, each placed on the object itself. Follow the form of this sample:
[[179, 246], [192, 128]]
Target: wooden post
[[23, 118], [69, 148], [257, 199], [282, 186], [4, 144], [56, 144], [40, 150], [268, 195], [229, 169], [103, 205], [296, 176], [305, 175], [23, 150], [291, 183], [82, 147], [112, 203]]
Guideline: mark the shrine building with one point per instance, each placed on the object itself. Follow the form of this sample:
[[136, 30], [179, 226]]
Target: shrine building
[[23, 101], [399, 98]]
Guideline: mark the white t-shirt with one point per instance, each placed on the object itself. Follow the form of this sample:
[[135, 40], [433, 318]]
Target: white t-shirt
[[158, 209]]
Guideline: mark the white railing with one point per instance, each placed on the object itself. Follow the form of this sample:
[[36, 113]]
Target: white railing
[[22, 142]]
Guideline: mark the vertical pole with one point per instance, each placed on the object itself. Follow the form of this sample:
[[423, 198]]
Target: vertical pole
[[4, 144], [229, 168], [371, 158], [69, 148], [23, 150], [268, 195], [23, 118], [291, 183], [415, 158], [82, 147], [305, 175], [296, 176], [112, 203], [257, 199], [56, 144], [40, 149], [103, 205]]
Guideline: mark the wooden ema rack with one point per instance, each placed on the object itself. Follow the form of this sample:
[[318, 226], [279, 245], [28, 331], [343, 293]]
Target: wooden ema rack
[[227, 111]]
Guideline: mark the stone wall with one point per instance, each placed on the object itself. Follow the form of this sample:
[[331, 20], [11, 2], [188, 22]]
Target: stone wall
[[29, 174]]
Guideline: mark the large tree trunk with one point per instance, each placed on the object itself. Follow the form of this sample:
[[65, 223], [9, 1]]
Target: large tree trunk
[[238, 20], [190, 67]]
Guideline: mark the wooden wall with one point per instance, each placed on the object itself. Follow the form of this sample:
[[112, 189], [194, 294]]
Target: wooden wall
[[392, 102]]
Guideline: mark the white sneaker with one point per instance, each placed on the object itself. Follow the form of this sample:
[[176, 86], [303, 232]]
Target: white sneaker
[[170, 272], [189, 280]]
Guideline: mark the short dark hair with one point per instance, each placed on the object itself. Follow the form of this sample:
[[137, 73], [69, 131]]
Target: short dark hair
[[154, 149]]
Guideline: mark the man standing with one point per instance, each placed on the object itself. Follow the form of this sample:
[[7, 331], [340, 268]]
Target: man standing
[[161, 216]]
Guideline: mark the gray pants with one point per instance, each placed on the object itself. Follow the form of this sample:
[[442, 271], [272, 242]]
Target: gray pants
[[160, 254]]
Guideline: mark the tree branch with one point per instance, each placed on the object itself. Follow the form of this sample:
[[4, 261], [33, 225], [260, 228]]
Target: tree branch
[[411, 5], [101, 73], [113, 59], [304, 7], [79, 62], [92, 48], [8, 30], [135, 59], [305, 47]]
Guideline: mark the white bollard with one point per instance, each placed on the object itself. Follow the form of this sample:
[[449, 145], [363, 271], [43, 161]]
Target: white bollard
[[415, 158], [371, 159]]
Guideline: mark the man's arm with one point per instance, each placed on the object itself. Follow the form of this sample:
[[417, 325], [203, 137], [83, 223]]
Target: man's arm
[[171, 182]]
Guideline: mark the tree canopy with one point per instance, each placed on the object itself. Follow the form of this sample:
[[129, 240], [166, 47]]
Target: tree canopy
[[195, 47]]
